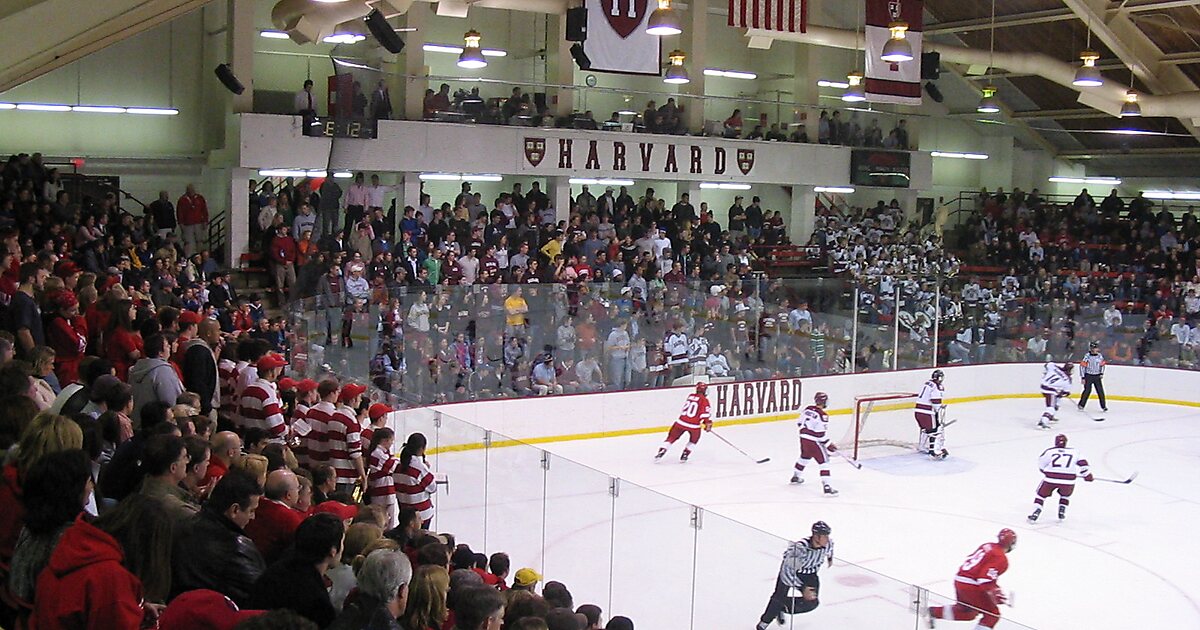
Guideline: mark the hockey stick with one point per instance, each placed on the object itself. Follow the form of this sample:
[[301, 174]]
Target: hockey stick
[[1074, 405], [731, 445], [853, 462], [1129, 480]]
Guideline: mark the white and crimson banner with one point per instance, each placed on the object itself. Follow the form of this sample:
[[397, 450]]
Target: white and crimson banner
[[893, 82], [617, 40], [788, 16]]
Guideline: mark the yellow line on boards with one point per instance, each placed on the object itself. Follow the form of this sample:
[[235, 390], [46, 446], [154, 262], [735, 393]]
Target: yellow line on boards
[[780, 417]]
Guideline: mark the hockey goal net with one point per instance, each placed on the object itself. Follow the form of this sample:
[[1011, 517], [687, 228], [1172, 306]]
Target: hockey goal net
[[882, 419]]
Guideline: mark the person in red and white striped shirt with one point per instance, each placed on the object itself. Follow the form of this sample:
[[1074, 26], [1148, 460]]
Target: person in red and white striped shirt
[[260, 405], [249, 352], [318, 417], [381, 469], [414, 483], [343, 439], [306, 397], [377, 413], [226, 376]]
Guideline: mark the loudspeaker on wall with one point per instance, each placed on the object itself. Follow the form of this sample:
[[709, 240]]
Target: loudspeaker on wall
[[383, 32], [228, 79]]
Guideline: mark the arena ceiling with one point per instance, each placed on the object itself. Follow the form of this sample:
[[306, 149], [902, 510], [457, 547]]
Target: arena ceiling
[[1158, 39]]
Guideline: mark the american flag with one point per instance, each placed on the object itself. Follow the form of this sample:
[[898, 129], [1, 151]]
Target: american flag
[[788, 16]]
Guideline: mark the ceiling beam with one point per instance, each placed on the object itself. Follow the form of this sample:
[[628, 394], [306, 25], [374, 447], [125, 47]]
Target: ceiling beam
[[1088, 154], [1061, 114], [1180, 59], [1050, 15]]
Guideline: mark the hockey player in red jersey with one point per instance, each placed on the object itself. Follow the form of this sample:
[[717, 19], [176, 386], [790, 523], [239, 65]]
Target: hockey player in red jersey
[[814, 444], [693, 416], [1060, 467], [975, 586]]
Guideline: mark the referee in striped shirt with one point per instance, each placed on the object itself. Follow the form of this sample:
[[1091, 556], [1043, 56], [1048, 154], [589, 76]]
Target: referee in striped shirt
[[1092, 367], [799, 570]]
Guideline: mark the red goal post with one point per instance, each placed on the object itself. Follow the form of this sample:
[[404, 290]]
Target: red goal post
[[864, 433]]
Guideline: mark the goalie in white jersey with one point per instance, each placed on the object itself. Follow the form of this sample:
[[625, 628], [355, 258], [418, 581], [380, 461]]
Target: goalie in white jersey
[[1056, 385], [930, 413], [1060, 467]]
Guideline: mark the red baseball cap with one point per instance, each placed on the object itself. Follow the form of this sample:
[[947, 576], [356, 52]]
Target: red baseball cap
[[271, 360], [350, 390], [203, 610], [379, 410], [66, 268], [336, 508], [286, 383], [306, 385], [187, 317]]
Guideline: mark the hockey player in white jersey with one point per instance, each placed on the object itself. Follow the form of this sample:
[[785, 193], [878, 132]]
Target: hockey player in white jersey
[[1060, 467], [1056, 385], [814, 444], [930, 413]]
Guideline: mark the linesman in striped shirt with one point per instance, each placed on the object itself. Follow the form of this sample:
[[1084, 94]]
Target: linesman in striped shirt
[[1092, 367], [799, 571]]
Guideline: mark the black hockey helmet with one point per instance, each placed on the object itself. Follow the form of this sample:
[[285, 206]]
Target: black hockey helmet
[[821, 528], [1060, 440], [1093, 346], [937, 376]]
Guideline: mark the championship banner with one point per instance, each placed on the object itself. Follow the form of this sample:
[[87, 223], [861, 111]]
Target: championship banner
[[786, 16], [617, 40], [893, 82]]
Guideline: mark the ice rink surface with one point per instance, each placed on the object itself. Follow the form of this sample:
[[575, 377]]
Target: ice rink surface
[[1124, 557]]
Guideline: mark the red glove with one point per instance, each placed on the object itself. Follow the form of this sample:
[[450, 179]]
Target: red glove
[[708, 426], [997, 596], [1088, 477], [831, 447]]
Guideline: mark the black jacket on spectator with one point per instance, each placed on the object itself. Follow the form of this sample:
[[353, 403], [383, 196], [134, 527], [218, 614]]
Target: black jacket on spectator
[[295, 584], [123, 475], [200, 373], [213, 552]]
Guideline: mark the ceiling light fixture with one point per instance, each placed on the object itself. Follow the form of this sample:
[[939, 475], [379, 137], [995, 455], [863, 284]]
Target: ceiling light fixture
[[1086, 180], [959, 156], [471, 57], [1131, 108], [1088, 75], [1170, 194], [897, 49], [456, 177], [835, 190], [344, 38], [854, 90], [730, 74], [41, 107], [586, 181], [664, 20], [676, 73], [988, 104], [273, 34], [98, 109], [457, 50], [723, 186], [832, 84]]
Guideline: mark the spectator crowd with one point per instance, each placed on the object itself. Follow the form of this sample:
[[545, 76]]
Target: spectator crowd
[[160, 469]]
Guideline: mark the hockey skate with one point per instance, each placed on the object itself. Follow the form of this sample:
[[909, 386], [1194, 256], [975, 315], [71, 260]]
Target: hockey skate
[[939, 455], [661, 452], [683, 458], [1062, 512], [797, 479], [760, 626], [829, 491], [1042, 424], [1036, 513]]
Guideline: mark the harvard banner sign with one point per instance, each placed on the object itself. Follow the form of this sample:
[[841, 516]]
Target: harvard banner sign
[[893, 82], [617, 39], [643, 159]]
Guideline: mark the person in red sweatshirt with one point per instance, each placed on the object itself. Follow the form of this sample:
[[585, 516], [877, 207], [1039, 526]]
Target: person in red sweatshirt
[[283, 261], [277, 518], [192, 211], [104, 574], [67, 333]]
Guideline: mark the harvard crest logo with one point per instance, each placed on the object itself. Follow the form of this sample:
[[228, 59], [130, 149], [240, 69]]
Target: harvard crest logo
[[625, 16], [535, 150], [745, 160]]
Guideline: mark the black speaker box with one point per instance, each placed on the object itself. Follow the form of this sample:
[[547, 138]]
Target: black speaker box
[[580, 57], [931, 66], [934, 92], [383, 32], [231, 83], [577, 24]]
